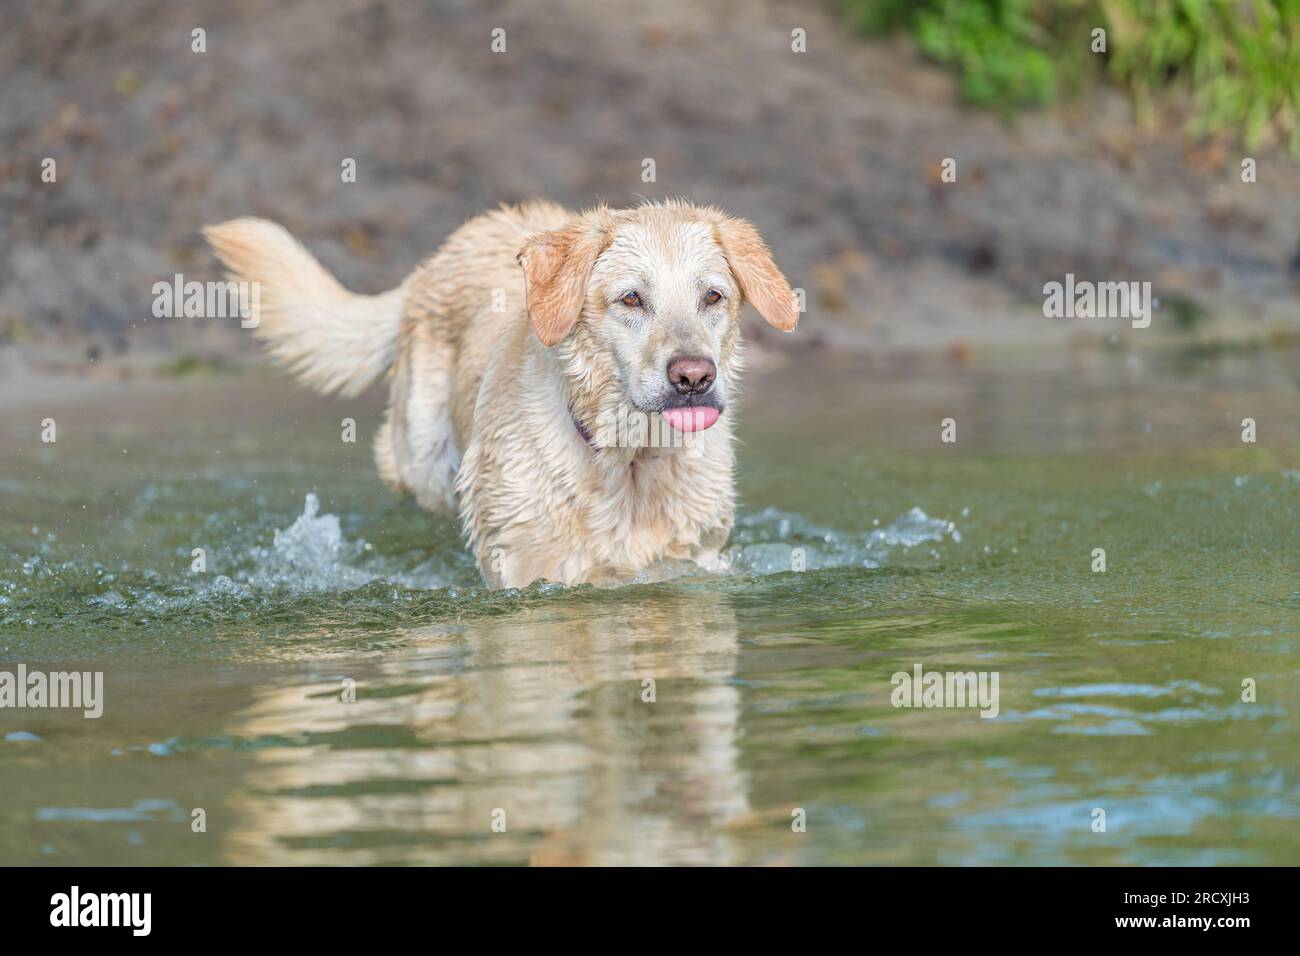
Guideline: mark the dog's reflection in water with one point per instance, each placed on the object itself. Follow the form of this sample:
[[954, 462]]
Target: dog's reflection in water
[[599, 731]]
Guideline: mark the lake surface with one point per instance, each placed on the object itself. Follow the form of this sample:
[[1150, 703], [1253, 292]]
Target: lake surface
[[1120, 691]]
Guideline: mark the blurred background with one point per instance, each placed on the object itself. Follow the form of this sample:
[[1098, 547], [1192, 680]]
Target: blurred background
[[1116, 165]]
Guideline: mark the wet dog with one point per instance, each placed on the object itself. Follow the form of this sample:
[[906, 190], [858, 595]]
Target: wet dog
[[517, 356]]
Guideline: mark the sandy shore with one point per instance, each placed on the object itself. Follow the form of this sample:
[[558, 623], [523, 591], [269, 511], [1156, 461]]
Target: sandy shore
[[835, 153]]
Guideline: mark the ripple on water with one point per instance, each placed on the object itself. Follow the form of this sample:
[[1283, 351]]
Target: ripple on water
[[313, 555]]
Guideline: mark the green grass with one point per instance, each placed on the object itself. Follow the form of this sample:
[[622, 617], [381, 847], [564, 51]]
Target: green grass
[[1239, 59]]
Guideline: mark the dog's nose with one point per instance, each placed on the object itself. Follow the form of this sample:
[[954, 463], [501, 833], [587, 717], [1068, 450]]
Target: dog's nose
[[691, 375]]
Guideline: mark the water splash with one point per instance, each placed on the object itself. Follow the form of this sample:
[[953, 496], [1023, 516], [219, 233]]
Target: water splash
[[313, 554], [310, 555], [765, 543]]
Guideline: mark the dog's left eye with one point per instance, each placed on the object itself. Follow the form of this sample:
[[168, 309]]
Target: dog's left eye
[[713, 297]]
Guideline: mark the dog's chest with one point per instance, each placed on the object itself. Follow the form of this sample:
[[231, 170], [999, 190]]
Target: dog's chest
[[655, 507]]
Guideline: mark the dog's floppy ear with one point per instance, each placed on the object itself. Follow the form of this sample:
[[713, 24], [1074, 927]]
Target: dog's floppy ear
[[761, 282], [557, 266]]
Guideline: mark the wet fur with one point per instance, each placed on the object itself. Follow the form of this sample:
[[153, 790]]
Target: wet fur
[[507, 334]]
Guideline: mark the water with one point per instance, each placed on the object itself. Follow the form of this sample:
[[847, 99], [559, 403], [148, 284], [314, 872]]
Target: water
[[1119, 690]]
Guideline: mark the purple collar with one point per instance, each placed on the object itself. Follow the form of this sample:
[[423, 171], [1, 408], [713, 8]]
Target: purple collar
[[582, 430]]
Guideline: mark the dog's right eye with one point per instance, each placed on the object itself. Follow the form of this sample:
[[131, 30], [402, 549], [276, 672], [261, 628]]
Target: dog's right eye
[[631, 299]]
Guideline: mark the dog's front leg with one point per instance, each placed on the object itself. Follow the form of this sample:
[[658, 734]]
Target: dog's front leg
[[711, 561], [505, 566]]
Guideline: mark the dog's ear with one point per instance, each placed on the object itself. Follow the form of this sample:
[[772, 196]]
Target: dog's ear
[[557, 267], [761, 282]]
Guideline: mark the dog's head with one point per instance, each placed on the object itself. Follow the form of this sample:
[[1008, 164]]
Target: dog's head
[[653, 296]]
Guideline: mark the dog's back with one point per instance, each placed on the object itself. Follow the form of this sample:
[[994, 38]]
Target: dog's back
[[467, 300], [338, 341], [436, 331]]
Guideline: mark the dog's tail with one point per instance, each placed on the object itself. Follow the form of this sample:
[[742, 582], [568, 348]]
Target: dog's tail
[[332, 339]]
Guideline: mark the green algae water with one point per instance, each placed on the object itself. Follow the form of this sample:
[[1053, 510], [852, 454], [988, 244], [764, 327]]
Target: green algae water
[[237, 573]]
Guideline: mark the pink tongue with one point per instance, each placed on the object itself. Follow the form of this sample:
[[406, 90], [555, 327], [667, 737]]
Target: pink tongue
[[693, 419]]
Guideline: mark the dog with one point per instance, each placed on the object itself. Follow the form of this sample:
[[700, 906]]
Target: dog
[[532, 363]]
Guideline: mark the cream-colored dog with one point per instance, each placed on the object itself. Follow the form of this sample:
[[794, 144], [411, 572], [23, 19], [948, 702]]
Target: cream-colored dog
[[534, 360]]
